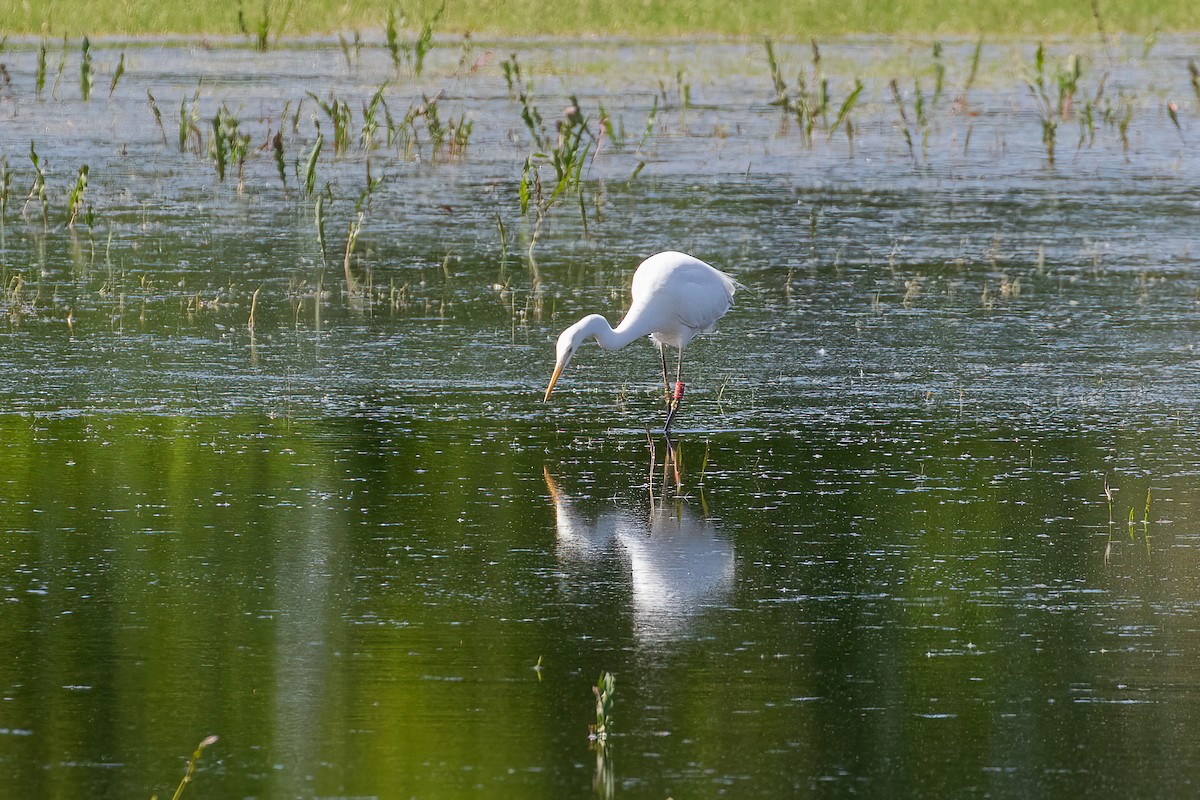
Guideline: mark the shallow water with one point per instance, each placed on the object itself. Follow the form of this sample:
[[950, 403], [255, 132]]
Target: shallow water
[[881, 560]]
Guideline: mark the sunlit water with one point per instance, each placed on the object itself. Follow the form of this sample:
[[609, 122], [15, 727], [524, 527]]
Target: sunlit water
[[354, 544]]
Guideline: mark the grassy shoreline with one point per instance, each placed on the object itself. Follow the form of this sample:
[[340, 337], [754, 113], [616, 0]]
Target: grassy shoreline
[[649, 18]]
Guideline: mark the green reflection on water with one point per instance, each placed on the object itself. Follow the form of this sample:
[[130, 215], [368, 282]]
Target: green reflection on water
[[356, 607]]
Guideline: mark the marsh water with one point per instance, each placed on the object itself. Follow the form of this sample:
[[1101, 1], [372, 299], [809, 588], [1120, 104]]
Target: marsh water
[[929, 526]]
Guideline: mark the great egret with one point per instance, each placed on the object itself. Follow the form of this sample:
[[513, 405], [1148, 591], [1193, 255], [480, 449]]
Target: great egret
[[675, 296], [679, 561]]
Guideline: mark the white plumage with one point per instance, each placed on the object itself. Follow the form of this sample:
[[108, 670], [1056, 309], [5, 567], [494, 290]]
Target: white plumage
[[674, 297]]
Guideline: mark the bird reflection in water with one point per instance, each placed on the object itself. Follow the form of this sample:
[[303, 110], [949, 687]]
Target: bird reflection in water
[[678, 561]]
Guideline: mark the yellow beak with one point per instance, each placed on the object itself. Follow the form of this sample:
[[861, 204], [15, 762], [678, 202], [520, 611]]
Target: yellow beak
[[558, 368]]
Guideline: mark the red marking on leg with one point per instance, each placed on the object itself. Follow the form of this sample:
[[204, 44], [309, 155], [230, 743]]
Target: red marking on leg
[[678, 391]]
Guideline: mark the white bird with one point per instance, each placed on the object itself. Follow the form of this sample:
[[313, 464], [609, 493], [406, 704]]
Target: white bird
[[679, 562], [674, 297]]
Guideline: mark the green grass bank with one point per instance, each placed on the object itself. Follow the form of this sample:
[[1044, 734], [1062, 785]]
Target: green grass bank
[[636, 18]]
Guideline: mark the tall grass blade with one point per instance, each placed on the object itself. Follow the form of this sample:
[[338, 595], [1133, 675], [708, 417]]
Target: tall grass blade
[[320, 220], [847, 104], [277, 152], [310, 170], [40, 79], [116, 78], [425, 39]]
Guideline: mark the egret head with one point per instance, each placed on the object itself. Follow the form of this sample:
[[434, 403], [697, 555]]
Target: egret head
[[568, 342]]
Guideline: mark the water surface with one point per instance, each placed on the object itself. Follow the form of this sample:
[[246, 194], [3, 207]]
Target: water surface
[[880, 561]]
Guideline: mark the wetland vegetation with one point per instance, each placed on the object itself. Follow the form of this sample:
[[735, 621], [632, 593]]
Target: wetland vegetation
[[276, 315], [262, 22]]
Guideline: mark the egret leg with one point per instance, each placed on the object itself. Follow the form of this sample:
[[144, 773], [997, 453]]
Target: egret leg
[[677, 397], [662, 354]]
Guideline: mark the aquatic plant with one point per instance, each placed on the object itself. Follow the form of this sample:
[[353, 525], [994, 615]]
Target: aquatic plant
[[116, 78], [295, 116], [76, 197], [533, 120], [615, 133], [189, 124], [603, 691], [1087, 124], [229, 145], [191, 767], [40, 74], [405, 135], [400, 135], [524, 188], [651, 118], [1173, 113], [904, 131], [352, 56], [467, 64], [398, 50], [569, 152], [1118, 115], [218, 148], [85, 70], [157, 114], [801, 104], [320, 223], [253, 308], [567, 158], [1068, 84], [277, 154], [939, 73], [371, 118], [310, 170], [262, 29], [351, 241], [433, 124], [822, 84], [62, 65], [972, 74], [522, 90], [460, 135], [684, 92], [1194, 75], [781, 91], [512, 75], [404, 52], [604, 778], [38, 189], [424, 41], [339, 115], [844, 112], [5, 187], [810, 106], [1047, 112], [961, 102], [369, 188], [1108, 494]]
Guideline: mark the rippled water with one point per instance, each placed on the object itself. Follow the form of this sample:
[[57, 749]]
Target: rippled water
[[881, 560]]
